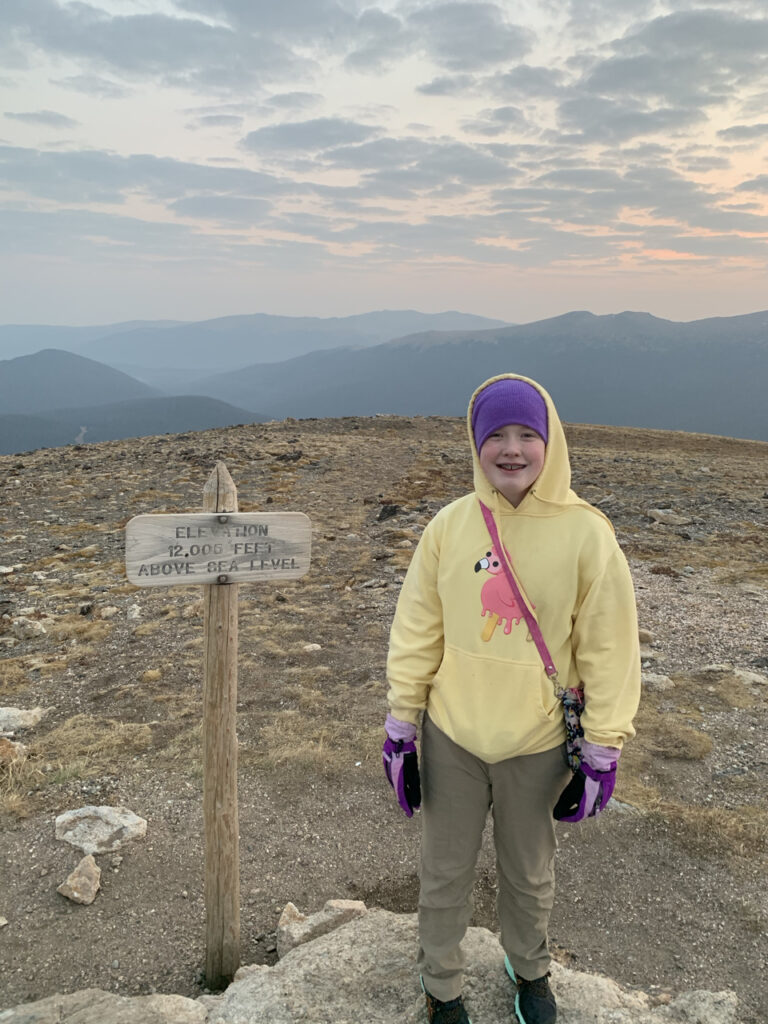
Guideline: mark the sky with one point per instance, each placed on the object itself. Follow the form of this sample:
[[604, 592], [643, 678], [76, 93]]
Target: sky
[[188, 159]]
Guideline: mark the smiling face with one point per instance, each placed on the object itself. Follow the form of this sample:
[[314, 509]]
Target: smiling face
[[512, 458]]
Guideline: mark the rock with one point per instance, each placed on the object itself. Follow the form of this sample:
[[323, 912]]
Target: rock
[[100, 829], [717, 669], [749, 678], [25, 629], [312, 647], [364, 971], [645, 636], [83, 883], [85, 607], [667, 518], [13, 719], [3, 922], [387, 511], [109, 612], [11, 752], [93, 1006], [295, 928], [134, 612], [656, 682]]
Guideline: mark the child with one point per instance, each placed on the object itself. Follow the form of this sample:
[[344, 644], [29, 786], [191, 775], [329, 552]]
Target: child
[[493, 730]]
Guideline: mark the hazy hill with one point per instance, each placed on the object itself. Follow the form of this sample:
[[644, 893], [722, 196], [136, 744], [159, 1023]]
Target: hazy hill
[[629, 369], [52, 379], [133, 418], [169, 357], [24, 339]]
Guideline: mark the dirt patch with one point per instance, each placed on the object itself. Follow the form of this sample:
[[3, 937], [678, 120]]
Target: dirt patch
[[659, 893]]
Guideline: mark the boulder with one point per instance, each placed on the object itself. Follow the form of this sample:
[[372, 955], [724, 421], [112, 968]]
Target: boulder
[[364, 971], [83, 883], [13, 719], [25, 629], [100, 829], [93, 1006], [657, 682], [295, 928]]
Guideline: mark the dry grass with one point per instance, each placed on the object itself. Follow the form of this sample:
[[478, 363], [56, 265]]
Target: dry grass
[[76, 627], [291, 738], [13, 675], [716, 830], [82, 746], [99, 741]]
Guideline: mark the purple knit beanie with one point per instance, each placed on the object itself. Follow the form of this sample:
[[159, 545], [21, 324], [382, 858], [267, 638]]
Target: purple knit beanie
[[508, 401]]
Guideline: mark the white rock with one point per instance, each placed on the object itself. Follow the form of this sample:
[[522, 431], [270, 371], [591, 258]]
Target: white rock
[[312, 647], [295, 928], [13, 719], [25, 628], [6, 570], [656, 682], [750, 678], [134, 612], [667, 518], [100, 829], [94, 1006], [83, 883]]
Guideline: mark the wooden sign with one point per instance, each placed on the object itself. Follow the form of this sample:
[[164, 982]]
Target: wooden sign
[[230, 547]]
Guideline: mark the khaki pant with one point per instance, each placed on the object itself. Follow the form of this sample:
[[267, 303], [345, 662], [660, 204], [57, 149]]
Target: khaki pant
[[458, 789]]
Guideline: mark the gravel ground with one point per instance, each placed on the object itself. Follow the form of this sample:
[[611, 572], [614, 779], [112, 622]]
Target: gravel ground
[[666, 892]]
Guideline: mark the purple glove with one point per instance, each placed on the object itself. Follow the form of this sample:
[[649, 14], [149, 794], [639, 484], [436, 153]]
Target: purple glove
[[401, 765], [592, 784]]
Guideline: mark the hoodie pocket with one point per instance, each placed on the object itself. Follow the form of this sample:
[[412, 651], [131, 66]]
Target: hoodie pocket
[[495, 708]]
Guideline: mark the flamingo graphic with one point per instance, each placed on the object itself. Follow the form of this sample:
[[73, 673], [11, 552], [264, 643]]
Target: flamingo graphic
[[497, 597]]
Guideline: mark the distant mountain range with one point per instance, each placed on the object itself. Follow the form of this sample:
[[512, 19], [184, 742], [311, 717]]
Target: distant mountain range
[[169, 354], [629, 369]]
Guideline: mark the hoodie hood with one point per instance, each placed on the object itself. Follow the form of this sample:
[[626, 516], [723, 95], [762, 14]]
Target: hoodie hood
[[553, 485]]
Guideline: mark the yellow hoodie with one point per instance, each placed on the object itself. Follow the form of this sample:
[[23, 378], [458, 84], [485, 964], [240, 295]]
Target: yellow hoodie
[[459, 647]]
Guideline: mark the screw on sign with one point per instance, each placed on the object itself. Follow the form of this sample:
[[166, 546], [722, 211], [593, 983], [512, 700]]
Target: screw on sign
[[218, 549]]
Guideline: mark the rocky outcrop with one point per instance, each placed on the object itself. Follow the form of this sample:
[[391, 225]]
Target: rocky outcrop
[[364, 971], [100, 829]]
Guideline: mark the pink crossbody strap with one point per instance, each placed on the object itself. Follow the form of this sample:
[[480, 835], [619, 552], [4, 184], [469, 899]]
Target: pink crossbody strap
[[533, 626]]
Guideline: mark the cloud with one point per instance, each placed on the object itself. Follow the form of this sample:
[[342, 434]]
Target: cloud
[[46, 118], [239, 210], [469, 36], [758, 184], [93, 85], [447, 85], [175, 50], [99, 177], [234, 121], [744, 132], [293, 100], [307, 136]]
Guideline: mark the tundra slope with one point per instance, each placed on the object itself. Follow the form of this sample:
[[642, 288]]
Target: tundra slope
[[666, 892]]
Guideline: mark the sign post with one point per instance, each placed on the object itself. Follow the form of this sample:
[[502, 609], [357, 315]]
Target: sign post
[[219, 548]]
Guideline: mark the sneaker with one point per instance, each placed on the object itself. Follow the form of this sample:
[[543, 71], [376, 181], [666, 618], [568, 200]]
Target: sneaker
[[452, 1012], [534, 1000]]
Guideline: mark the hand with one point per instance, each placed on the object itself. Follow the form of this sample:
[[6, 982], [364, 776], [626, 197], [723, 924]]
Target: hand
[[401, 764], [592, 784]]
